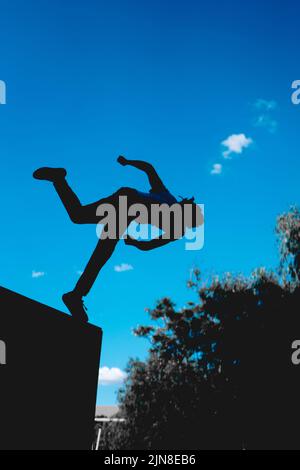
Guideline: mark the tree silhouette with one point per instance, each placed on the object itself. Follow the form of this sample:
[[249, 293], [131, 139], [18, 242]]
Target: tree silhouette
[[288, 231], [219, 373]]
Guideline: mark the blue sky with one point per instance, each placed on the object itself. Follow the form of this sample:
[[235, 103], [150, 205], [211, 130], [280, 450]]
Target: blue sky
[[163, 81]]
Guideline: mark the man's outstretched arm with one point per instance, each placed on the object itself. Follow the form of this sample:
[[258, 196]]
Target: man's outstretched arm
[[154, 179], [148, 244]]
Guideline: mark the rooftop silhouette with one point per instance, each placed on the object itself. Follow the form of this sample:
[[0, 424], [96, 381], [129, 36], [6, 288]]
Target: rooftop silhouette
[[52, 363]]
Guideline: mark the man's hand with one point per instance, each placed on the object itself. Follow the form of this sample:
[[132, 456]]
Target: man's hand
[[131, 241], [122, 160], [147, 245]]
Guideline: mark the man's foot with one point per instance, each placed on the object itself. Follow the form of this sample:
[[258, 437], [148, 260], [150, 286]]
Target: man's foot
[[75, 304], [49, 174]]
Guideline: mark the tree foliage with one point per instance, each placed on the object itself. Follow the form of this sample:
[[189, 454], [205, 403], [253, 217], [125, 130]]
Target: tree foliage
[[219, 372], [288, 231]]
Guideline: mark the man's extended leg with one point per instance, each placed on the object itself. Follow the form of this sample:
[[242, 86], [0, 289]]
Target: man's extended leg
[[78, 213], [73, 300]]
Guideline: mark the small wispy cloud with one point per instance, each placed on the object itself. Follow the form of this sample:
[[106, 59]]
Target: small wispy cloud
[[236, 143], [265, 117], [120, 268], [216, 169], [111, 376], [265, 105], [78, 272], [37, 274], [266, 121]]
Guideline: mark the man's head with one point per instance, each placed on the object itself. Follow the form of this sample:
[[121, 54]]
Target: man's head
[[192, 214]]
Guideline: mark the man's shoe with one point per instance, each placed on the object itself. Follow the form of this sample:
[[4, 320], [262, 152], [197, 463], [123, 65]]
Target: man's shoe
[[75, 304], [49, 174]]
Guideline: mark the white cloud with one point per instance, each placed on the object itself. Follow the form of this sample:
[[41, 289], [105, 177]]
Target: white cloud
[[36, 274], [120, 268], [111, 376], [236, 143], [79, 273], [216, 169]]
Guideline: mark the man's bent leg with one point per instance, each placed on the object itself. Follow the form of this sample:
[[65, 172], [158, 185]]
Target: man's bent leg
[[100, 256], [78, 213], [86, 214], [73, 300], [68, 198]]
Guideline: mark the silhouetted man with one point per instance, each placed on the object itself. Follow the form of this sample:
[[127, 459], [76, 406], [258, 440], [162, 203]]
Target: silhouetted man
[[87, 214]]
